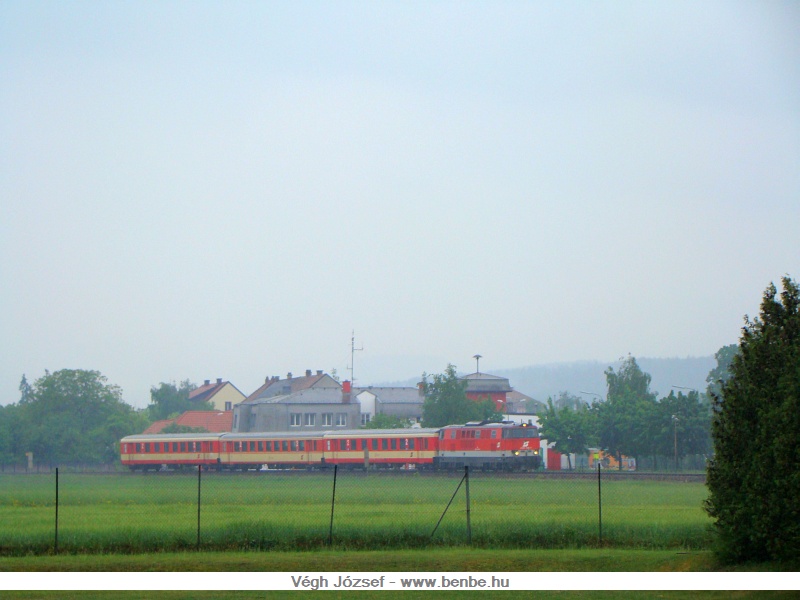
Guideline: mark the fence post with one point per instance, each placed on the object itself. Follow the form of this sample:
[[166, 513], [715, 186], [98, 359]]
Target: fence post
[[469, 524], [56, 540], [599, 506], [333, 504], [199, 470]]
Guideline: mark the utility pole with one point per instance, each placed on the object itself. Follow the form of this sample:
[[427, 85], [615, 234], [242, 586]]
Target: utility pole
[[353, 351]]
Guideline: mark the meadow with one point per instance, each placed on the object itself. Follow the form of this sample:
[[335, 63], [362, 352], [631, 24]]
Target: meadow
[[134, 513]]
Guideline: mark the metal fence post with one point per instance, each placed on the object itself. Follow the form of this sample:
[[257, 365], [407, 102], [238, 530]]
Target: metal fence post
[[199, 470], [56, 540], [599, 506], [333, 504], [469, 524]]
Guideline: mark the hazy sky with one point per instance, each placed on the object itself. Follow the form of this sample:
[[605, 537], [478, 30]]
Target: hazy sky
[[228, 189]]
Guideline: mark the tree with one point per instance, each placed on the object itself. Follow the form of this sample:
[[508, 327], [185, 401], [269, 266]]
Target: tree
[[625, 421], [72, 416], [722, 372], [169, 400], [753, 478], [383, 421], [569, 425], [446, 401]]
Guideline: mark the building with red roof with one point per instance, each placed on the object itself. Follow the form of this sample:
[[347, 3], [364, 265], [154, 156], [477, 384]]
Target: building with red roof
[[213, 421]]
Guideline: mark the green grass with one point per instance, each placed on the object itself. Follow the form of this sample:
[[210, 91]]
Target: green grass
[[137, 513]]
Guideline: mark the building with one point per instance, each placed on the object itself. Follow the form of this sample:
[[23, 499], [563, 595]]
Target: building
[[482, 386], [222, 394], [311, 403], [517, 402], [402, 402]]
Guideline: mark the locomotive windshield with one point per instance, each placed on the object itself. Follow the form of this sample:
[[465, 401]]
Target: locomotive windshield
[[521, 432]]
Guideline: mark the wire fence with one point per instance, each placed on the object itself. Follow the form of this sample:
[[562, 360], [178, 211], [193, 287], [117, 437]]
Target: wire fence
[[296, 510]]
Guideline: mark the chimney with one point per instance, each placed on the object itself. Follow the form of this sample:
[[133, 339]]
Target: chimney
[[319, 371], [289, 375], [308, 372], [207, 382], [346, 390], [421, 388], [219, 380]]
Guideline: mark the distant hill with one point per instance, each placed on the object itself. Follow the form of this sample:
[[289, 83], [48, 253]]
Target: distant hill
[[543, 381]]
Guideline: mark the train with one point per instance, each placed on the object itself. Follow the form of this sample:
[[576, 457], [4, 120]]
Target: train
[[502, 446]]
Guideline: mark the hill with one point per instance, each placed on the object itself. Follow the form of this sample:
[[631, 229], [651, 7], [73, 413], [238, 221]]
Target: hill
[[543, 381]]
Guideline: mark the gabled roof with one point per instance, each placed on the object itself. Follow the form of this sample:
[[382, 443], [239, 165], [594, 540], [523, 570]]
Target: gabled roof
[[332, 396], [485, 383], [281, 387], [208, 390], [214, 421]]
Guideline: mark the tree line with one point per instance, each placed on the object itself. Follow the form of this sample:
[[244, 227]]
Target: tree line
[[632, 421], [74, 416]]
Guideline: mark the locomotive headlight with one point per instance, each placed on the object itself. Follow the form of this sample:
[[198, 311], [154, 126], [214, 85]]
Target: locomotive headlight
[[516, 452]]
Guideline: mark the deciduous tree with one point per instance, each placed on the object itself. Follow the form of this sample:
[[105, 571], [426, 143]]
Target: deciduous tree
[[169, 400], [626, 418], [446, 401]]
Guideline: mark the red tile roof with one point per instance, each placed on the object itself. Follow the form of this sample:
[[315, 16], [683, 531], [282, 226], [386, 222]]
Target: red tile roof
[[214, 421], [158, 426]]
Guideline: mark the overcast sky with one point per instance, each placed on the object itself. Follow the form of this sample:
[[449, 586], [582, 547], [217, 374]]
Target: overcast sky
[[228, 189]]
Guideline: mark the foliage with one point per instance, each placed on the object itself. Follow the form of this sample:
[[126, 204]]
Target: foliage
[[169, 400], [70, 416], [571, 426], [753, 479], [625, 420], [384, 421], [446, 401], [175, 428], [721, 373]]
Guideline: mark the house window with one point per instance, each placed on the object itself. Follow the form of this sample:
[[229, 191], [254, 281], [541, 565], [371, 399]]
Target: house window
[[228, 405], [365, 418], [341, 419], [327, 419], [309, 419], [295, 419]]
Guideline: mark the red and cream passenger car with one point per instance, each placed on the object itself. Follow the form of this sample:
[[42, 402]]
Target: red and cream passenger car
[[152, 451]]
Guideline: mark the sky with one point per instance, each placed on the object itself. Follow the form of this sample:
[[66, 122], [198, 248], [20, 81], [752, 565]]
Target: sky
[[231, 189]]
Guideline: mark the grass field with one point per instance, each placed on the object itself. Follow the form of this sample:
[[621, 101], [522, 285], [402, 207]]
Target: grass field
[[132, 513]]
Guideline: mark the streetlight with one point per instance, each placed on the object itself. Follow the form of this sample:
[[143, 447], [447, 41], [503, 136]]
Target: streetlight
[[675, 430], [477, 358]]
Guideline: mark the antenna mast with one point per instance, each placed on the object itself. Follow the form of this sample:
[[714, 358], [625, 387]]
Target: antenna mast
[[353, 351]]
